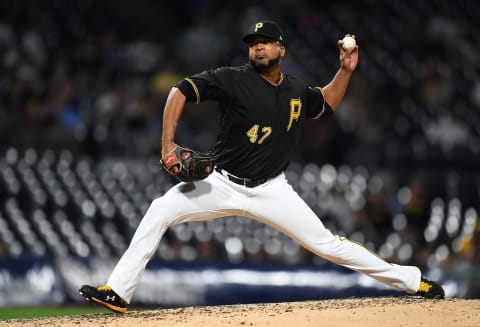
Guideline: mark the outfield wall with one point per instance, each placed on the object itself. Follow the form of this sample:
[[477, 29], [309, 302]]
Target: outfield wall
[[33, 281]]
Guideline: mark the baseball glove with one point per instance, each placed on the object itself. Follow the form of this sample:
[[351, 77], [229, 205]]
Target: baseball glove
[[191, 165]]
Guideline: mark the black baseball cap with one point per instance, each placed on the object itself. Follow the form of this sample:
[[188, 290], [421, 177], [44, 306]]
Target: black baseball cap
[[265, 28]]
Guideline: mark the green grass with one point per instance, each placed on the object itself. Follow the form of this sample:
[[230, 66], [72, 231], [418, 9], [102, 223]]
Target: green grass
[[34, 312]]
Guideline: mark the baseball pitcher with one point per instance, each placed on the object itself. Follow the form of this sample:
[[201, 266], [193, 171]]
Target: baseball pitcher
[[262, 114]]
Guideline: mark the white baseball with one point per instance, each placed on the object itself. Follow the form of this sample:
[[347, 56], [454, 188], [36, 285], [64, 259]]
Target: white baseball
[[348, 43]]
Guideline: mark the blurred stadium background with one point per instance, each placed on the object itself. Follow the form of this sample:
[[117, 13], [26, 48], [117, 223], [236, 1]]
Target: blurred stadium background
[[82, 88]]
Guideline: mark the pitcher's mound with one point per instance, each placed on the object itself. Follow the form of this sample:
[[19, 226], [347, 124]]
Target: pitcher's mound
[[356, 312]]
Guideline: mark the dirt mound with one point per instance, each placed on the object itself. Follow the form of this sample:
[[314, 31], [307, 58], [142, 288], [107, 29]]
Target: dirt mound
[[358, 312]]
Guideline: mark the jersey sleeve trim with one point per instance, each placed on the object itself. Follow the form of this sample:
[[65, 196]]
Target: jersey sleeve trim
[[195, 89], [323, 107]]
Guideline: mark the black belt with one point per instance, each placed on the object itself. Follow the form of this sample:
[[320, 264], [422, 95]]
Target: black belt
[[241, 181]]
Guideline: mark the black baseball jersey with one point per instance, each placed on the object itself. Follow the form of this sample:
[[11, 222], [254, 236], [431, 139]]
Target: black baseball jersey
[[260, 123]]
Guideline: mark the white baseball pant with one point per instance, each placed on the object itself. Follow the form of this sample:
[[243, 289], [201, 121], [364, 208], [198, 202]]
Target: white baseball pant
[[274, 203]]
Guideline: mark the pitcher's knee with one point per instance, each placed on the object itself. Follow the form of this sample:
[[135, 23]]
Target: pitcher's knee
[[162, 210], [330, 245]]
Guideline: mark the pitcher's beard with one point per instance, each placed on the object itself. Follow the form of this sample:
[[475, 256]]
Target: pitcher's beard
[[263, 68]]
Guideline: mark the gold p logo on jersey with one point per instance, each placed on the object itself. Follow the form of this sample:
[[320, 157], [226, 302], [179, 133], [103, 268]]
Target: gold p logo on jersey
[[258, 26], [295, 110]]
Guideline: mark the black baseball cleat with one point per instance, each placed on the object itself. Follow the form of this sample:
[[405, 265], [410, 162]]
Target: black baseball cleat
[[430, 290], [105, 296]]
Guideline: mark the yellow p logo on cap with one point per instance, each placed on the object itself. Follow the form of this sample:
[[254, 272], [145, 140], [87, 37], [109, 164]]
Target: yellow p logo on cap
[[258, 26]]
